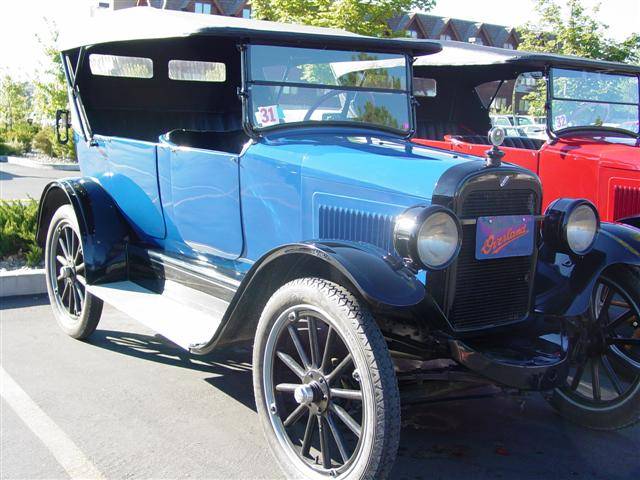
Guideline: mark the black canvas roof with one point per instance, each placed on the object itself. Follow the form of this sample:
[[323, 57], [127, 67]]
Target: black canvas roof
[[468, 56], [149, 23]]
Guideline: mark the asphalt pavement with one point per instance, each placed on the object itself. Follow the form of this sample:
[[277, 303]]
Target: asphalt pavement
[[131, 405], [19, 183]]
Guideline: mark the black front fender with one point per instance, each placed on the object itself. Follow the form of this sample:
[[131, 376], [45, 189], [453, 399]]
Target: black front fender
[[380, 279], [564, 284], [631, 221], [103, 230]]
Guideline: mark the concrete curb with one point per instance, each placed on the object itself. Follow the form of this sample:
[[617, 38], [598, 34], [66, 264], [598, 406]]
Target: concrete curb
[[27, 162], [22, 282]]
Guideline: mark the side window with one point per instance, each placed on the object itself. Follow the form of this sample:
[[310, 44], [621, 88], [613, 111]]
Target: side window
[[196, 71], [517, 104], [424, 87], [120, 66]]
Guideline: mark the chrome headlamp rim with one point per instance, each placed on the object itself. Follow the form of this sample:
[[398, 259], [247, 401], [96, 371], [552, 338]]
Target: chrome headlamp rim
[[407, 232], [556, 224]]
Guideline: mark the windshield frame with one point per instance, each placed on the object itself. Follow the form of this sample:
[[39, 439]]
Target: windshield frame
[[555, 133], [256, 132]]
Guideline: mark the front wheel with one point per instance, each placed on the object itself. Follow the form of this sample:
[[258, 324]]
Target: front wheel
[[324, 383], [603, 387], [75, 309]]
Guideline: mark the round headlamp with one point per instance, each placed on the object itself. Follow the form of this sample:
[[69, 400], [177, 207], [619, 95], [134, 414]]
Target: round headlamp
[[571, 226], [429, 236]]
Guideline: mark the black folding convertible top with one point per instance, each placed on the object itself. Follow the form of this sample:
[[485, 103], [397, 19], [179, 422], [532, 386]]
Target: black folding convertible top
[[150, 23], [470, 58]]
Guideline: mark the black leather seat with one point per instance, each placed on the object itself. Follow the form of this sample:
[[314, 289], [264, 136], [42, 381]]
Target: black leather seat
[[525, 143], [149, 125], [435, 130]]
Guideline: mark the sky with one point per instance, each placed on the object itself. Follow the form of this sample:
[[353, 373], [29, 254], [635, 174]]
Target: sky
[[23, 21]]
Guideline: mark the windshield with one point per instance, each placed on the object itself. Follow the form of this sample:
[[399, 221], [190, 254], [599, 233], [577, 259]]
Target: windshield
[[592, 99], [290, 85]]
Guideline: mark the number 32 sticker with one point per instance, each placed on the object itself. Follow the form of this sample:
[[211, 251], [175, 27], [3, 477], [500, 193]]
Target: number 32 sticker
[[268, 115]]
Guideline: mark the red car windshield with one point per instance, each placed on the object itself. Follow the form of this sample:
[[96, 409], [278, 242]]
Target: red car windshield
[[582, 99]]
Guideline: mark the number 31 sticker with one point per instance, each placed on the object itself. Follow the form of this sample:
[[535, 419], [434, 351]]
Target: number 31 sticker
[[267, 116]]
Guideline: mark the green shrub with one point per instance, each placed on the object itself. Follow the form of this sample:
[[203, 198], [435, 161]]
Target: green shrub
[[43, 141], [18, 222], [7, 149], [21, 136], [46, 142]]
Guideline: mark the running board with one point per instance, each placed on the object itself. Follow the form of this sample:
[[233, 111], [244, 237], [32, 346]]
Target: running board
[[185, 316]]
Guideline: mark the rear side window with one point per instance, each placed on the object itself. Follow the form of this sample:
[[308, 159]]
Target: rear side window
[[120, 66], [196, 71], [424, 87]]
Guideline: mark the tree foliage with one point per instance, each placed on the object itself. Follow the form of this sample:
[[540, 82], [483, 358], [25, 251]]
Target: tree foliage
[[50, 87], [367, 17], [15, 102], [570, 28]]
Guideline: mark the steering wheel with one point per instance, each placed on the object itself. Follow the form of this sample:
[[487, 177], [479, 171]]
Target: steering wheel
[[320, 101]]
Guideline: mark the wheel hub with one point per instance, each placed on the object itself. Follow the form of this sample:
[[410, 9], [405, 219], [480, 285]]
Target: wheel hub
[[314, 392], [67, 272], [308, 393]]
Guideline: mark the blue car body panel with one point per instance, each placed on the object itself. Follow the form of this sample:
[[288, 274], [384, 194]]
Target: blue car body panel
[[310, 185], [127, 169], [201, 200], [302, 185]]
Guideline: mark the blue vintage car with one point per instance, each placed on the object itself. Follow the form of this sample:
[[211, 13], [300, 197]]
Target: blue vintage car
[[254, 181]]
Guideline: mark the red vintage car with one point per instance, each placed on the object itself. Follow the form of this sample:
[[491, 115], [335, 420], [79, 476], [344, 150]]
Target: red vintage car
[[589, 146]]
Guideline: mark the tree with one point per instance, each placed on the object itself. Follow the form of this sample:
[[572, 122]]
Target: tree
[[51, 85], [15, 102], [368, 17], [578, 33]]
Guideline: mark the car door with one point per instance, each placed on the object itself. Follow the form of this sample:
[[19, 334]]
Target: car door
[[132, 181], [201, 200]]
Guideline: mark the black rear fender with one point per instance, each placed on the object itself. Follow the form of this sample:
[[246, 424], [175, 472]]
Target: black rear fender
[[103, 230], [565, 286], [379, 280]]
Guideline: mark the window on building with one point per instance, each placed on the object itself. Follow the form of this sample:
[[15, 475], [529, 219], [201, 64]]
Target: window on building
[[412, 34], [120, 66], [202, 7], [509, 46], [195, 71], [246, 12], [448, 33], [103, 5]]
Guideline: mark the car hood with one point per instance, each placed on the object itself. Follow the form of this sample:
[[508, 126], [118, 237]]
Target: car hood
[[363, 160], [612, 152]]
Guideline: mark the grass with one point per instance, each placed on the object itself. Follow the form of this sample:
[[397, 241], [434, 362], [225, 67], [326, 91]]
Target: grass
[[18, 221]]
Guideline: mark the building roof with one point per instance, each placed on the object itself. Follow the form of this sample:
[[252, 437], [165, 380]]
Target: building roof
[[433, 25], [461, 54], [151, 23]]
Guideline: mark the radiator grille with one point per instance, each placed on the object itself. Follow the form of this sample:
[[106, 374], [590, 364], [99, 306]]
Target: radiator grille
[[626, 202], [484, 203], [338, 223], [491, 292]]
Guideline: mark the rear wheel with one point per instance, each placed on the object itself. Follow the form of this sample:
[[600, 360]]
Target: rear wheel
[[324, 384], [603, 386], [76, 310]]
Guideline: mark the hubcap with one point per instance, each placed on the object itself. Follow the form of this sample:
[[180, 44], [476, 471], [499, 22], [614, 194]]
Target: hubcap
[[305, 394], [316, 405]]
